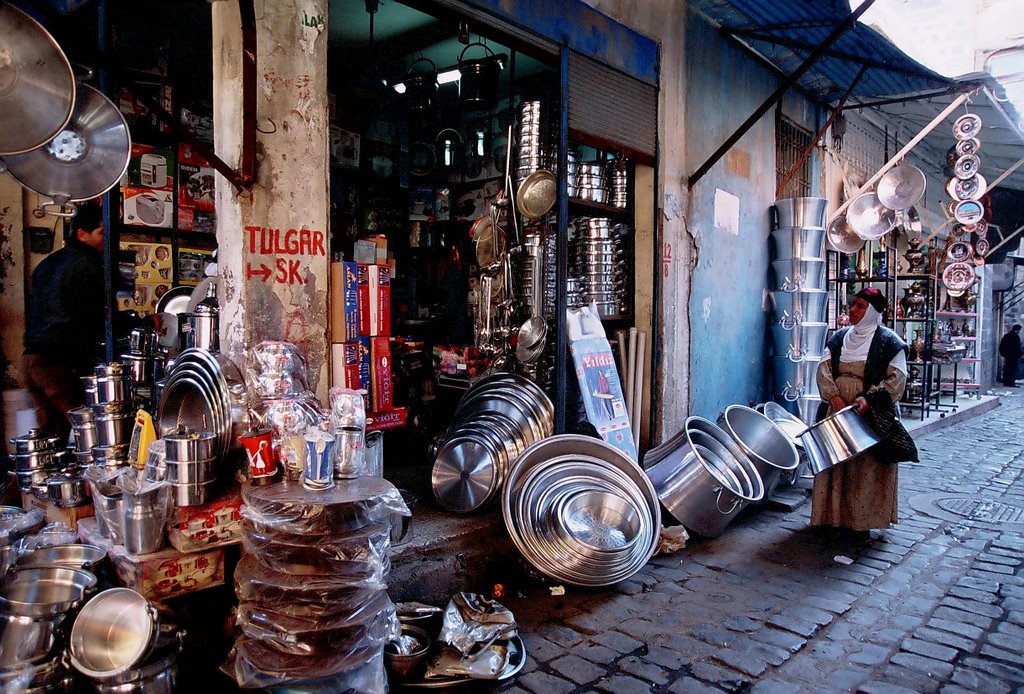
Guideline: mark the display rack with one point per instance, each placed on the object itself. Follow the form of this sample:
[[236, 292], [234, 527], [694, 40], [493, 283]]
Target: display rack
[[957, 320], [917, 330]]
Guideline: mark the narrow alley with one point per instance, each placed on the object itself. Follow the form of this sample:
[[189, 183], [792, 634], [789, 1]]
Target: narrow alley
[[933, 604]]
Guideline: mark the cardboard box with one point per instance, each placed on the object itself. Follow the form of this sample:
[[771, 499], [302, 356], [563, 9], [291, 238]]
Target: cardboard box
[[382, 394], [143, 300], [162, 574], [213, 524], [344, 302], [380, 300], [196, 203], [365, 251], [147, 207], [152, 261], [365, 364], [131, 103], [192, 264], [69, 516], [391, 419], [363, 297], [346, 356], [151, 168]]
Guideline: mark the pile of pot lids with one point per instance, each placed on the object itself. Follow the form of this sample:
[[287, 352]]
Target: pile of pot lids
[[580, 511], [62, 143], [498, 418]]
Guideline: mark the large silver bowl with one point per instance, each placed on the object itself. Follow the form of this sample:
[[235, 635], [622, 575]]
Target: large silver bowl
[[768, 447], [44, 591]]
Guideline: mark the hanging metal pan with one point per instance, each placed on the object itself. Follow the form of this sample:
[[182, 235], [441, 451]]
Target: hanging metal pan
[[870, 219], [84, 160], [842, 238], [537, 194], [901, 187], [37, 86]]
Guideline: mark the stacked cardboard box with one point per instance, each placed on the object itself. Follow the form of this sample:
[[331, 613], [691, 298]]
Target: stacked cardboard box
[[153, 276], [196, 205], [147, 190]]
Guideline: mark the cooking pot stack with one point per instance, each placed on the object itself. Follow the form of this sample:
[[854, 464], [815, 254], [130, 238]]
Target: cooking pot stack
[[145, 363], [536, 148], [800, 303], [596, 258], [111, 396], [313, 609]]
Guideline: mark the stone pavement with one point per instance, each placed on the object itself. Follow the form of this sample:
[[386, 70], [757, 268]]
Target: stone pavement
[[933, 604]]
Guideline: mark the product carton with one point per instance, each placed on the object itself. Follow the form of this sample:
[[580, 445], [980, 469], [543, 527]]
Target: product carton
[[196, 204], [213, 524], [147, 207], [380, 299], [365, 251], [346, 365], [389, 419], [150, 167], [382, 395], [365, 364], [363, 298], [344, 301], [152, 261], [162, 574]]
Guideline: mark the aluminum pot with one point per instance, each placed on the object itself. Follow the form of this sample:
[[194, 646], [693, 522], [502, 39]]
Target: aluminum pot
[[157, 676], [68, 489], [116, 631], [189, 446], [144, 342], [837, 438], [806, 341], [144, 369], [44, 591], [81, 417], [114, 429], [34, 442], [793, 379], [34, 479], [89, 383], [114, 454], [85, 438], [799, 243], [794, 274], [114, 388], [804, 213], [144, 530], [76, 556], [41, 677], [39, 460], [810, 305], [591, 194], [192, 494], [25, 639], [189, 472], [699, 480], [768, 447], [112, 370]]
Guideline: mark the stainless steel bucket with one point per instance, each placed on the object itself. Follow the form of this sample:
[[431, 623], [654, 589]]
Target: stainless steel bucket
[[114, 429], [701, 483], [805, 305], [806, 213], [804, 341], [794, 274], [837, 438], [768, 447], [792, 242]]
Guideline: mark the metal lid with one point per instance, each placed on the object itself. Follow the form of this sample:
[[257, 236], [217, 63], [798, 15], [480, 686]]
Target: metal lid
[[465, 476], [34, 442]]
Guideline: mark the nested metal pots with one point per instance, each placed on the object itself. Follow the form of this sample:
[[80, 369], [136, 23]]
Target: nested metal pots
[[189, 446], [795, 274], [114, 388], [805, 213], [802, 341], [793, 242], [805, 305], [792, 380], [114, 429], [769, 448]]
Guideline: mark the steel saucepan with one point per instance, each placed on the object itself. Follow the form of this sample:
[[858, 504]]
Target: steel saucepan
[[799, 243], [44, 591], [68, 489]]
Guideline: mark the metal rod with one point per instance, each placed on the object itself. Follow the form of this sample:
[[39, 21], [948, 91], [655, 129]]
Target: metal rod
[[247, 17], [814, 143], [562, 368], [902, 153], [111, 237], [779, 91], [1006, 239], [955, 89]]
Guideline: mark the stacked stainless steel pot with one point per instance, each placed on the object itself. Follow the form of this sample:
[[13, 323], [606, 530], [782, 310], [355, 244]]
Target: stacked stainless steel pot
[[800, 304], [591, 184], [596, 258], [498, 418], [536, 149], [618, 180], [531, 285], [580, 511], [36, 457], [312, 586], [145, 362], [188, 464], [113, 414]]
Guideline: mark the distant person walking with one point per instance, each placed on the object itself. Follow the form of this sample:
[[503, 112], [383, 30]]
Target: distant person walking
[[1010, 351]]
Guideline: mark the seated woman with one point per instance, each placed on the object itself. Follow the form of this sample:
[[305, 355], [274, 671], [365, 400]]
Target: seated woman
[[865, 365]]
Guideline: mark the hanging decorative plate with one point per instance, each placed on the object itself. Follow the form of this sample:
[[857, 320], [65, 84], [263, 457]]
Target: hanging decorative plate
[[971, 146], [958, 231], [966, 126], [951, 207], [969, 188], [959, 251], [967, 166], [968, 211], [958, 276], [901, 187], [981, 228], [870, 219], [982, 247]]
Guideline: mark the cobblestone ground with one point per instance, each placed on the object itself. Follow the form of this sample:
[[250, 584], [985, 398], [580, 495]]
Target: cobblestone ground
[[933, 604]]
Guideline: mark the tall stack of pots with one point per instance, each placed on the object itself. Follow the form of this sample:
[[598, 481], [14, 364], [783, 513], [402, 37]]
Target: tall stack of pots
[[799, 303], [145, 363], [113, 413], [36, 457]]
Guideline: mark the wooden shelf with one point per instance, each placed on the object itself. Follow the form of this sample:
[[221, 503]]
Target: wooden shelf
[[865, 280], [914, 277], [950, 384], [913, 320], [966, 339]]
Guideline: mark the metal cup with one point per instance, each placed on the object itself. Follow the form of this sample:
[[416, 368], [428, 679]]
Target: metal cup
[[259, 451], [349, 453]]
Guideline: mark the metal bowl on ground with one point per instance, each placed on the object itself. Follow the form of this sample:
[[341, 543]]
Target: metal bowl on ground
[[600, 520], [407, 656], [803, 213], [44, 591], [115, 632], [837, 438], [76, 556], [768, 447]]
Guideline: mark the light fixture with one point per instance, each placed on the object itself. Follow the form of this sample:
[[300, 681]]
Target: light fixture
[[449, 76]]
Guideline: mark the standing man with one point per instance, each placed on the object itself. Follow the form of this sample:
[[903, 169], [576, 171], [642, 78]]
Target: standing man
[[64, 323], [1010, 351]]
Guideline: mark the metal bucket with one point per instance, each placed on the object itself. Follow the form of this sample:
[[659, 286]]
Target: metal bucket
[[804, 341], [700, 481], [799, 243], [768, 447], [805, 305], [805, 213]]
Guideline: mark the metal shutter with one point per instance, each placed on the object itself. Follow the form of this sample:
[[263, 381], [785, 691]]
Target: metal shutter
[[611, 106]]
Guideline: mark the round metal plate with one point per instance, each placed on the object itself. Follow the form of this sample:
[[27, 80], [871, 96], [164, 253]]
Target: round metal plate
[[959, 251], [537, 194], [37, 85], [84, 160], [841, 236], [968, 211], [967, 166], [464, 476], [966, 126], [958, 276], [870, 219], [981, 247], [901, 187]]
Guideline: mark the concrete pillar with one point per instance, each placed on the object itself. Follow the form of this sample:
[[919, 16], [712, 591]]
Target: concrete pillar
[[272, 240]]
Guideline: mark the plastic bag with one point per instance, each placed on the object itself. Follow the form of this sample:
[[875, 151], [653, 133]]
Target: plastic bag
[[359, 556], [471, 621], [375, 605], [368, 678], [334, 639], [303, 596]]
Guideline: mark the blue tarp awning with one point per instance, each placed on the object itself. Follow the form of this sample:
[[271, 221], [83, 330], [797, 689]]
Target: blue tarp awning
[[785, 32]]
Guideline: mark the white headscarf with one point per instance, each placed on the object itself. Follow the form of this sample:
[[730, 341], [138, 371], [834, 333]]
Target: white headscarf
[[857, 339]]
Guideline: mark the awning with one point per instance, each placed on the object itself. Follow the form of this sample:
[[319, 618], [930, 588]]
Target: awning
[[785, 33]]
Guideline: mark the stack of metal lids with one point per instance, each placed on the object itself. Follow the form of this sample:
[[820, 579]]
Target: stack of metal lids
[[204, 391], [580, 511], [498, 418]]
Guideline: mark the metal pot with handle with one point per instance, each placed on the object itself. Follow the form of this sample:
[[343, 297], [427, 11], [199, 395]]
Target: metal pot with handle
[[479, 79]]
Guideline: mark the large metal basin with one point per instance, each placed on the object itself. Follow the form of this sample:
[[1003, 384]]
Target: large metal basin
[[803, 306], [768, 447], [794, 274], [798, 242], [794, 379], [837, 438], [805, 341]]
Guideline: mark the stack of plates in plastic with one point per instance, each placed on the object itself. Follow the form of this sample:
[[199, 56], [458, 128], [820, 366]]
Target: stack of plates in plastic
[[580, 511]]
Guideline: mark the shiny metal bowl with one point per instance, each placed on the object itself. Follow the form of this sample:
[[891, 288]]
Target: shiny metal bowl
[[44, 591], [76, 556]]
